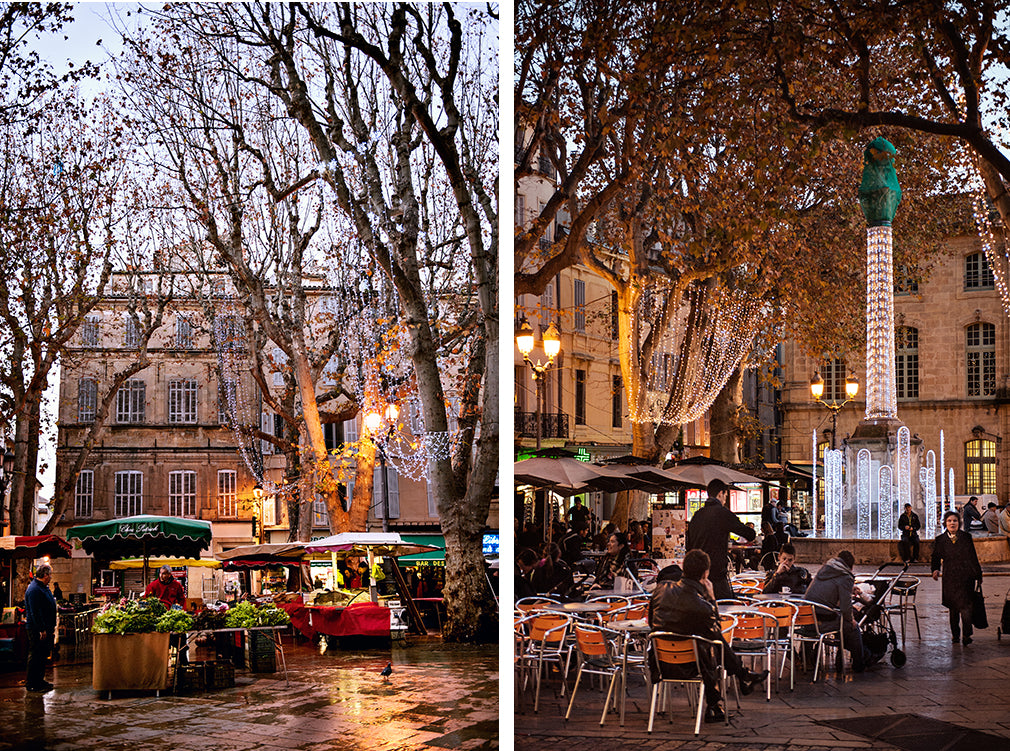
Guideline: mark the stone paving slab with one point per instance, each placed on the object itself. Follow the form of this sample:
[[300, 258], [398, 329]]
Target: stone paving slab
[[440, 696], [968, 686]]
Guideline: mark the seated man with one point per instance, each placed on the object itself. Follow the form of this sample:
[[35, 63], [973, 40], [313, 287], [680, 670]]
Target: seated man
[[688, 607], [991, 519], [833, 586], [787, 577]]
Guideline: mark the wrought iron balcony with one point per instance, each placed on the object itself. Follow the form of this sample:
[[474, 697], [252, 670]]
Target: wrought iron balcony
[[552, 425]]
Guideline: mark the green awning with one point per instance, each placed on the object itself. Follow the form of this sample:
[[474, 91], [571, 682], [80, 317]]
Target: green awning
[[433, 555]]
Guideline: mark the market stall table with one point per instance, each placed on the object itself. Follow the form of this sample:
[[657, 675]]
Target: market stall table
[[356, 619]]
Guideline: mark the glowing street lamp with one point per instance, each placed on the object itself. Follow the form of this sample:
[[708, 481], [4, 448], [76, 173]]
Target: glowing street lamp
[[374, 422], [552, 348], [817, 391]]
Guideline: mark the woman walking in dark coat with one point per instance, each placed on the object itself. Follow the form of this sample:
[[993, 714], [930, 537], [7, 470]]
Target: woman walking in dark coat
[[961, 569]]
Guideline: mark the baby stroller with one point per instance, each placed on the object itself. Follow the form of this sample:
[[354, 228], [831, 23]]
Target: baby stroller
[[875, 620], [1004, 621]]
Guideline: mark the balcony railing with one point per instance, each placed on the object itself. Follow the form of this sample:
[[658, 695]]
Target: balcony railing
[[552, 425]]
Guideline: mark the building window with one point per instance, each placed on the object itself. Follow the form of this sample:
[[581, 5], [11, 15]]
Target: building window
[[833, 373], [580, 397], [130, 400], [225, 401], [906, 362], [320, 517], [182, 493], [904, 283], [350, 430], [129, 493], [981, 359], [980, 467], [87, 399], [228, 333], [394, 492], [580, 305], [227, 498], [183, 332], [89, 331], [182, 400], [84, 494], [615, 321], [616, 401], [977, 274], [547, 305], [131, 337]]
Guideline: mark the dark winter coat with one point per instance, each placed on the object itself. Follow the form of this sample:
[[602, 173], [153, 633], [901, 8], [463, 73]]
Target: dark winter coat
[[832, 586], [684, 608], [797, 579], [40, 608], [709, 530], [910, 519], [961, 568]]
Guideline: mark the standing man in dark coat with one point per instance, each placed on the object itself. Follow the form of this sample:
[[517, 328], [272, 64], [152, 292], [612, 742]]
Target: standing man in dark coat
[[955, 549], [40, 621], [909, 525], [709, 530]]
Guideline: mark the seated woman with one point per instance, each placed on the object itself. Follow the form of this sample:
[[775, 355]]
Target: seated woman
[[615, 562]]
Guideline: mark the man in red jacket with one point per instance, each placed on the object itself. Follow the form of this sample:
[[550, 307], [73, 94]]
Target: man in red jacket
[[166, 589]]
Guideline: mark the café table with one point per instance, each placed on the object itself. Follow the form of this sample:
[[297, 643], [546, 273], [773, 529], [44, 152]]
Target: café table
[[630, 629], [579, 608]]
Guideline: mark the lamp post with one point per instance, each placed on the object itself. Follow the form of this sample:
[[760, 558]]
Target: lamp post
[[5, 476], [373, 422], [552, 347], [817, 390], [258, 494]]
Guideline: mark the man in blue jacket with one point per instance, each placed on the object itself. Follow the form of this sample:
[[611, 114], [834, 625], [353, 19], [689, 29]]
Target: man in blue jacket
[[709, 530], [40, 621]]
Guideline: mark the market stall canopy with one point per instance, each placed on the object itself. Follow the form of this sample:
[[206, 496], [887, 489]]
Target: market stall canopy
[[700, 475], [159, 562], [263, 556], [143, 536], [379, 543], [562, 476], [17, 546]]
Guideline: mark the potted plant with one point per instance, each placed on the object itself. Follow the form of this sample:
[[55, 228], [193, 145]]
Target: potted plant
[[131, 644]]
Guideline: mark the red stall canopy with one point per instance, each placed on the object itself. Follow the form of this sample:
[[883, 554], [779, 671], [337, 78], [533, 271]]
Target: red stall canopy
[[34, 547]]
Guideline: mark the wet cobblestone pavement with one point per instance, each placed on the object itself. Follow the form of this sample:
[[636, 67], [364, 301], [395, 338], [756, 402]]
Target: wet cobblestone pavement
[[440, 696], [966, 686]]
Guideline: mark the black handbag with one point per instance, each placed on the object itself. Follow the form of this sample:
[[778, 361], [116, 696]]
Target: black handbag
[[978, 616]]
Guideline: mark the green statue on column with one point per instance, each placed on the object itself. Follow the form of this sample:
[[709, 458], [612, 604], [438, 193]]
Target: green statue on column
[[879, 193]]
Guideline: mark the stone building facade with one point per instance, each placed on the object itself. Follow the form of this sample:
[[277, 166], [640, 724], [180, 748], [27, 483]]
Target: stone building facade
[[168, 448]]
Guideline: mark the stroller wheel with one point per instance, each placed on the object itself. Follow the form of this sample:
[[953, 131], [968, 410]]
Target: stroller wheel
[[898, 658]]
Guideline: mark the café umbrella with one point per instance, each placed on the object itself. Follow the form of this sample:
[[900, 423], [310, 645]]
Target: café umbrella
[[143, 536]]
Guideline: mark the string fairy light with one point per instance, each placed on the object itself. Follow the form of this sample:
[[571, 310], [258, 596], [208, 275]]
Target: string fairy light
[[863, 494], [706, 338], [885, 503]]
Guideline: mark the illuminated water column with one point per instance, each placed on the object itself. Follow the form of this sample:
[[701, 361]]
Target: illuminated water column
[[834, 495], [941, 468], [927, 476], [885, 504], [950, 488], [904, 467], [863, 494]]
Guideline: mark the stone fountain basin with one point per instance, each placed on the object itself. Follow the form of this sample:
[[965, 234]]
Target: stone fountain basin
[[816, 550]]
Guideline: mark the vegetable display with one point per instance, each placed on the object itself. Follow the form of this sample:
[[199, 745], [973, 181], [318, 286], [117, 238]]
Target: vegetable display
[[249, 615], [130, 617]]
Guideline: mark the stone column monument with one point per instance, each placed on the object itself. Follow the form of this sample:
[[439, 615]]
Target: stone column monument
[[870, 510]]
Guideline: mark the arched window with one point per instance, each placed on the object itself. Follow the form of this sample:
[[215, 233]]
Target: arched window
[[980, 356], [906, 362], [980, 467]]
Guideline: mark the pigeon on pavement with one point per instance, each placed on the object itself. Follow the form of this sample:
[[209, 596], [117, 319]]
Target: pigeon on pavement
[[387, 671]]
